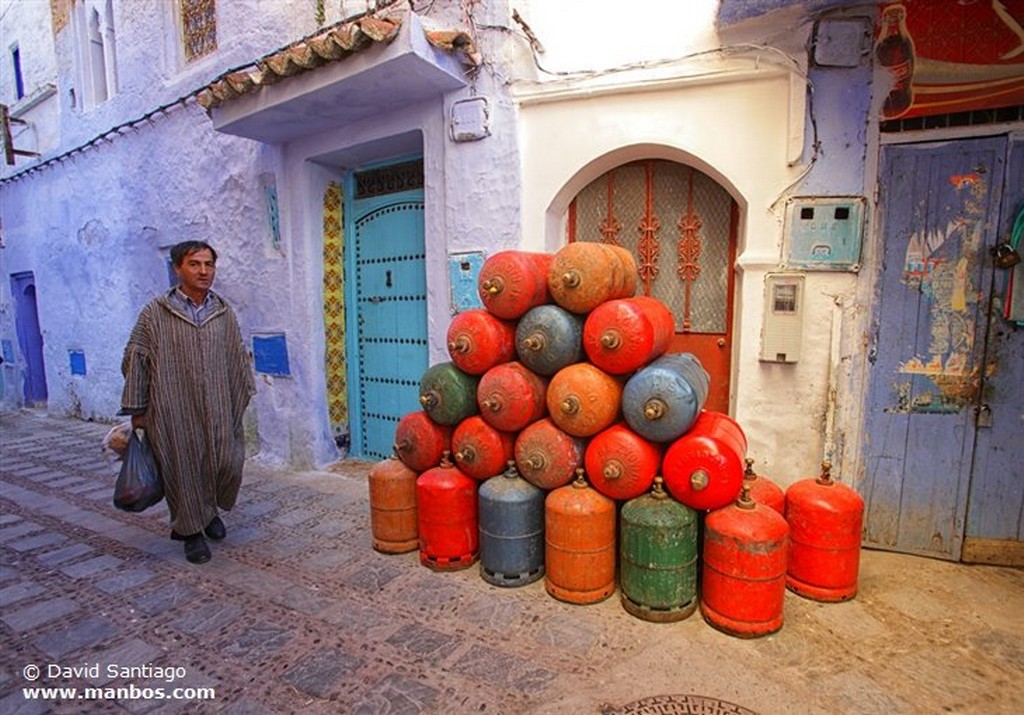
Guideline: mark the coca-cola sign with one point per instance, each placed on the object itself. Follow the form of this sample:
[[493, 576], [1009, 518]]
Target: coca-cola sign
[[951, 56]]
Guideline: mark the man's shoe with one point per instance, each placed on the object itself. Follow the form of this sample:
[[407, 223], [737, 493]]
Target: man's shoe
[[215, 529], [196, 550]]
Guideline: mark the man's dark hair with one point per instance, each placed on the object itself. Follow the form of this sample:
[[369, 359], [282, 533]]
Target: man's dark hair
[[186, 248]]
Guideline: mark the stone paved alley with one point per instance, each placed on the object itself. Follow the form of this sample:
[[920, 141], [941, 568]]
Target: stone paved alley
[[296, 613]]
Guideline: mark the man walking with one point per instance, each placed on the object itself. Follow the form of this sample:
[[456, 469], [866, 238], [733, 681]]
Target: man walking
[[188, 380]]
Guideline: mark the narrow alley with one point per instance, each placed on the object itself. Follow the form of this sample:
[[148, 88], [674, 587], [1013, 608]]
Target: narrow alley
[[296, 613]]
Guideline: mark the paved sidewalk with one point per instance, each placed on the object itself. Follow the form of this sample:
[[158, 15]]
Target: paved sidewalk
[[296, 613]]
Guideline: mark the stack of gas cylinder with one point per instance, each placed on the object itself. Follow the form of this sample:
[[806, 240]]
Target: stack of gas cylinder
[[562, 441]]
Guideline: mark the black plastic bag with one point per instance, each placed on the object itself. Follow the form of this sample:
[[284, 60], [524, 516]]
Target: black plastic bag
[[138, 485]]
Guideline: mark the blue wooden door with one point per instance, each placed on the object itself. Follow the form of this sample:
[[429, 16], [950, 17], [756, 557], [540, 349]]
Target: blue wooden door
[[30, 338], [390, 331], [995, 508], [939, 205]]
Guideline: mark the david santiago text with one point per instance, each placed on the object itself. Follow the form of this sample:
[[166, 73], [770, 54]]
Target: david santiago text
[[168, 674]]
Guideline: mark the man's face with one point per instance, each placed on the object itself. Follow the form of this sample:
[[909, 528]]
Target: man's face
[[196, 272]]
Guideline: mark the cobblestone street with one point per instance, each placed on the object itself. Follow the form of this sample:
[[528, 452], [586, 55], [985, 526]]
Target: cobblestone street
[[296, 613]]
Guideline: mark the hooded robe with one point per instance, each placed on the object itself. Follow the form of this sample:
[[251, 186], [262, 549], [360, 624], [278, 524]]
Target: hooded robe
[[193, 383]]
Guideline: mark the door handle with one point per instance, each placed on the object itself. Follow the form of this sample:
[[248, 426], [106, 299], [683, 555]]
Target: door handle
[[721, 342]]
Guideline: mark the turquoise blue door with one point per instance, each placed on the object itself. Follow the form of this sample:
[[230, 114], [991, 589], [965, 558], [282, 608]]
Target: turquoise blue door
[[387, 264]]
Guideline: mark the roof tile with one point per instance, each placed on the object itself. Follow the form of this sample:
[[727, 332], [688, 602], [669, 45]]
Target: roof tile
[[332, 44]]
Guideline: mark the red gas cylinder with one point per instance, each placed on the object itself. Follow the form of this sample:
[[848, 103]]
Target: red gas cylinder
[[480, 450], [393, 507], [419, 441], [446, 502], [579, 543], [585, 274], [764, 490], [512, 282], [744, 575], [546, 456], [511, 396], [825, 518], [583, 399], [704, 468], [621, 464], [621, 336], [479, 340]]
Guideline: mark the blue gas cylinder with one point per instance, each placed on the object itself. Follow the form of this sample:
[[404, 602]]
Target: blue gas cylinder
[[548, 338], [511, 514], [662, 400]]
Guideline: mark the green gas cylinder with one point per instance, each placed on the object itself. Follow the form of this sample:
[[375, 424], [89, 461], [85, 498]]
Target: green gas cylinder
[[447, 394], [658, 557]]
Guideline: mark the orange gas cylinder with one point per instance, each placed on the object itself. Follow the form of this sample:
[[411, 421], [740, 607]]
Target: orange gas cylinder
[[621, 336], [546, 456], [583, 399], [825, 518], [446, 510], [393, 507], [511, 396], [763, 490], [627, 263], [621, 464], [419, 441], [480, 450], [479, 340], [579, 543], [704, 468], [512, 282], [585, 274], [744, 575]]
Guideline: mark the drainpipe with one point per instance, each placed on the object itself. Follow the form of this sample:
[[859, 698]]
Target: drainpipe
[[829, 447]]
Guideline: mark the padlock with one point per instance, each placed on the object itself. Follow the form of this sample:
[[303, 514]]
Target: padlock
[[1005, 255]]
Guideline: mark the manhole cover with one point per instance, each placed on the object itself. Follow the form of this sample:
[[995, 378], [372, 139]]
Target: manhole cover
[[678, 705]]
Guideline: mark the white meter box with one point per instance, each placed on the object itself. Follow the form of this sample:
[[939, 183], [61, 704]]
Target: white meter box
[[824, 233], [782, 330]]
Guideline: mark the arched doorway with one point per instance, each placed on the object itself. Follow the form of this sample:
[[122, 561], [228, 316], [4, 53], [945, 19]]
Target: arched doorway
[[681, 226]]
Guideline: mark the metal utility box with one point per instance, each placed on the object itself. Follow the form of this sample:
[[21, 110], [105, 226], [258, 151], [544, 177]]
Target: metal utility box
[[824, 233], [782, 330], [463, 274]]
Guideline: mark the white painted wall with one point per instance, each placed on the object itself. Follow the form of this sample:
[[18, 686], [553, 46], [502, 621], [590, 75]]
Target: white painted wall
[[737, 113]]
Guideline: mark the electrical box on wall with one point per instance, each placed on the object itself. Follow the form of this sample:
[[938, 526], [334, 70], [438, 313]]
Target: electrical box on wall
[[824, 233], [463, 275], [841, 42], [782, 331], [470, 119]]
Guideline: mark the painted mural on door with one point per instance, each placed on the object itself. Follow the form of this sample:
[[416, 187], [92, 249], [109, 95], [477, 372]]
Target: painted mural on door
[[994, 531], [390, 298], [940, 205], [680, 225]]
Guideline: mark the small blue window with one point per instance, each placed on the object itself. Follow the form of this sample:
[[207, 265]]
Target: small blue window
[[77, 358], [270, 352]]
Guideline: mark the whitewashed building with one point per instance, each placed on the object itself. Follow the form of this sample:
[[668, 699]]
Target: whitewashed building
[[354, 163]]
